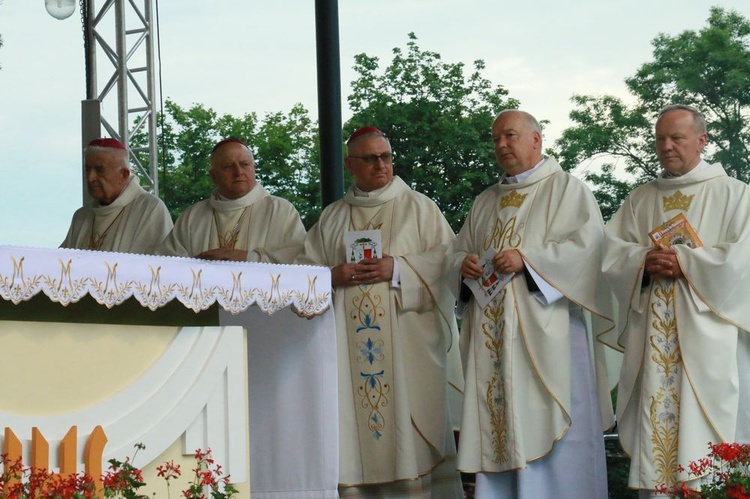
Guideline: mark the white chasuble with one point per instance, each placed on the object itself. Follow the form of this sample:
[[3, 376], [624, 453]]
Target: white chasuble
[[394, 344], [106, 221], [135, 222], [680, 385], [503, 367], [228, 224], [516, 350], [267, 227]]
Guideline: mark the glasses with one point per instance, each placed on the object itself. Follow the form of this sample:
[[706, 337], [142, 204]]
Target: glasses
[[372, 159]]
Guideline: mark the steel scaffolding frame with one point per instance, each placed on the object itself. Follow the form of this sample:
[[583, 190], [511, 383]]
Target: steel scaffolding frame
[[129, 80]]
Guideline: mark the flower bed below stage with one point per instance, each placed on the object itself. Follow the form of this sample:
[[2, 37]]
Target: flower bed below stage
[[121, 480]]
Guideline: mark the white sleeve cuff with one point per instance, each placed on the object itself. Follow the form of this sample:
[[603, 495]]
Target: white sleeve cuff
[[546, 294], [396, 278]]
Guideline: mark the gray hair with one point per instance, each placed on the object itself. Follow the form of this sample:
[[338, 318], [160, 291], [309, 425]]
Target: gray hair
[[699, 121], [530, 120], [121, 154], [370, 134]]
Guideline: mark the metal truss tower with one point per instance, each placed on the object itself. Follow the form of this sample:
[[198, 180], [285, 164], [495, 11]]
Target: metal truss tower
[[120, 80]]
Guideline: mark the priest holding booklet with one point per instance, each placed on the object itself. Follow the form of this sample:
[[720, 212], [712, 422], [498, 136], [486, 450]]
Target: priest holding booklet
[[683, 309], [396, 332], [532, 422]]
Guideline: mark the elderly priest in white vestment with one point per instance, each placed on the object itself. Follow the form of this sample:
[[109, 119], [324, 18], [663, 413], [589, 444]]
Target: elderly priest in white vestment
[[241, 221], [684, 307], [122, 216], [532, 421], [396, 330]]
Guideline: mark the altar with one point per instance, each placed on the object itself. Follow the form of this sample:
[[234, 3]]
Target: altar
[[175, 354]]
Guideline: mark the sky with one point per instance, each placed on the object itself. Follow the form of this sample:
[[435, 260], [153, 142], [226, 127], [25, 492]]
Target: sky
[[241, 56]]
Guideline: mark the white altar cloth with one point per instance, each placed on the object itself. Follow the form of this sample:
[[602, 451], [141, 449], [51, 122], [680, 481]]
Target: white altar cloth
[[66, 275], [292, 384]]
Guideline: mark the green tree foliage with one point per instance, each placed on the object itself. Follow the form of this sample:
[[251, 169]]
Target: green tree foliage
[[284, 146], [437, 119], [709, 69], [288, 160]]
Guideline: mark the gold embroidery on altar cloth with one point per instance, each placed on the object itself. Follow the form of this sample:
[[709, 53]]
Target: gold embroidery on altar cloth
[[512, 199], [677, 202], [664, 404], [80, 277]]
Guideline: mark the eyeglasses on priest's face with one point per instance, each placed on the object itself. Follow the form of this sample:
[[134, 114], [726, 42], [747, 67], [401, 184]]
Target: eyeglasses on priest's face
[[373, 159]]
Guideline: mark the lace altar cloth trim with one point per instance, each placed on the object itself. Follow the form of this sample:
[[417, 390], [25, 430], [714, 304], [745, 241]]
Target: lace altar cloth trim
[[66, 275]]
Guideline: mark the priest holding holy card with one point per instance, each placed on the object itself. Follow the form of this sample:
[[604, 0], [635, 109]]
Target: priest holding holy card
[[684, 313], [395, 327], [532, 422]]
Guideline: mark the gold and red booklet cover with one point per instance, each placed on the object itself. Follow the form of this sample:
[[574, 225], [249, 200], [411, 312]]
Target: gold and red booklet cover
[[676, 230]]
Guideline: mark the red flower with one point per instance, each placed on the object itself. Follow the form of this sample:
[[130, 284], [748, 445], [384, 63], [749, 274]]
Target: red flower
[[168, 470], [724, 473], [737, 492]]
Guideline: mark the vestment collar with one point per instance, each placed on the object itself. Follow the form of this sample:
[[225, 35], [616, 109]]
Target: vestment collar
[[517, 179], [547, 167], [700, 173], [131, 191], [379, 196], [220, 203]]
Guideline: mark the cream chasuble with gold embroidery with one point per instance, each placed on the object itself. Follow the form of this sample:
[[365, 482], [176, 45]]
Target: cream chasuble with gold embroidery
[[267, 227], [516, 350], [393, 343], [679, 386], [135, 222]]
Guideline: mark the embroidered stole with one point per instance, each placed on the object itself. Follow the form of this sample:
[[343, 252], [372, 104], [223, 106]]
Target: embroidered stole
[[370, 345], [662, 375], [661, 378], [493, 350]]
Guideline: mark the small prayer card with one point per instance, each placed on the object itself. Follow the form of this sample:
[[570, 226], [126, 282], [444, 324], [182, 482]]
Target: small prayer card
[[362, 244], [490, 283]]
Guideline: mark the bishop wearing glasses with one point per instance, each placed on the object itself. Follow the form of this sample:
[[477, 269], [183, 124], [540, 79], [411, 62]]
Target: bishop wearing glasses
[[395, 328]]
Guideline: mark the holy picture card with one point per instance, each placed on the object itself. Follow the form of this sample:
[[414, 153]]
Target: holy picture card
[[362, 245], [676, 230], [490, 283]]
